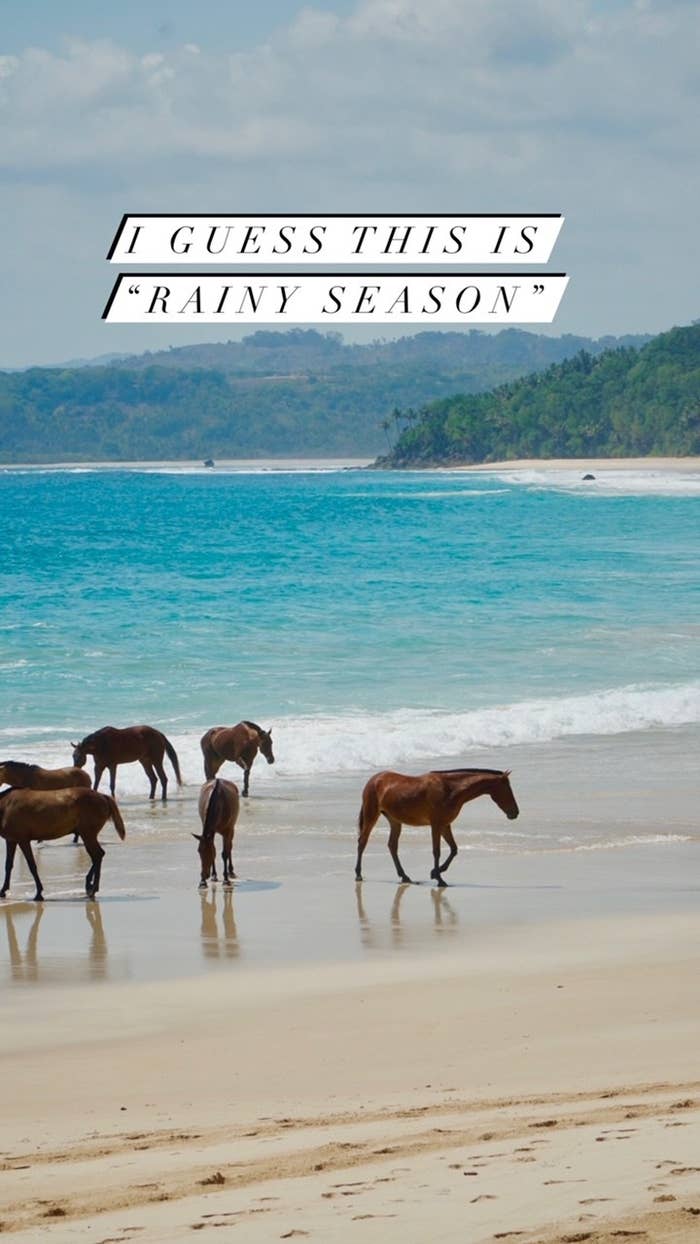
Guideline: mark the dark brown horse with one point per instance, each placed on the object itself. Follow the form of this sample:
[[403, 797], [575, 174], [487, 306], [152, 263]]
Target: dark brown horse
[[32, 777], [218, 810], [239, 744], [28, 816], [111, 747], [433, 799]]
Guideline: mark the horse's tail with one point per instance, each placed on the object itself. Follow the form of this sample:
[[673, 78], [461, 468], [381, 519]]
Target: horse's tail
[[172, 757], [212, 809], [115, 816], [369, 810]]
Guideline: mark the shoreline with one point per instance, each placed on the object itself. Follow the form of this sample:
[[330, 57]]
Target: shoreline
[[555, 1068], [301, 462], [583, 464]]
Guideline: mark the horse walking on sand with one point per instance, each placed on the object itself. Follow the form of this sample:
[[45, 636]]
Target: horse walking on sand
[[32, 777], [218, 810], [239, 744], [111, 747], [28, 816], [433, 799]]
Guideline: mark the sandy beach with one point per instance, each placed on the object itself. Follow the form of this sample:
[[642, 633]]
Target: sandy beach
[[544, 1089], [590, 464], [307, 1057]]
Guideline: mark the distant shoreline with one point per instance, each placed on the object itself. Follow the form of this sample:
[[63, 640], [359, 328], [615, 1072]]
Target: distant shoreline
[[302, 463], [586, 464]]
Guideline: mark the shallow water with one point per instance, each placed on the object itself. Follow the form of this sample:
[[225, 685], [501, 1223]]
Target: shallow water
[[410, 620]]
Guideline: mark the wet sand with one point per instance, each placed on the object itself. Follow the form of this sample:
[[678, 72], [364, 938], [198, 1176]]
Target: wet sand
[[544, 1086]]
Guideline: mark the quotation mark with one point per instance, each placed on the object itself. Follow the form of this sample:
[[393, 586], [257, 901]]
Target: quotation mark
[[538, 289], [134, 289]]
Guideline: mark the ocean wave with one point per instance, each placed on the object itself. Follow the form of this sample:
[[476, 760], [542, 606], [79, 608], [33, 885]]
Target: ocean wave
[[628, 482], [308, 746]]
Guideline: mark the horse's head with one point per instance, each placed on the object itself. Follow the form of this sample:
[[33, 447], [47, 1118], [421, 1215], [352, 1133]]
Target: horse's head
[[79, 754], [207, 852], [503, 796], [265, 745]]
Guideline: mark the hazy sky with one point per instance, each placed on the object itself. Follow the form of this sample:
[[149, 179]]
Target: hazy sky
[[577, 106]]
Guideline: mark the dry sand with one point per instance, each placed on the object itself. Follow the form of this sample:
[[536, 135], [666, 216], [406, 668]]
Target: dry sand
[[543, 1087], [590, 464]]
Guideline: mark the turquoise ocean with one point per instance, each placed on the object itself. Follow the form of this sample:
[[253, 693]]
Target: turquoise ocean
[[372, 619]]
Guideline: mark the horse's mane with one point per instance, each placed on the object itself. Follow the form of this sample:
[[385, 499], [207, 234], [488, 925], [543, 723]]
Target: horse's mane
[[253, 725], [19, 764]]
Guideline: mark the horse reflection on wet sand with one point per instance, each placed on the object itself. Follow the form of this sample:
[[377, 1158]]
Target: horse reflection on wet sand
[[433, 799], [30, 965], [218, 944]]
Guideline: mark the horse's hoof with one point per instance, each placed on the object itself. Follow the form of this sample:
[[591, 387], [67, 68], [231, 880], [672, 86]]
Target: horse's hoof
[[435, 874], [38, 898], [202, 885]]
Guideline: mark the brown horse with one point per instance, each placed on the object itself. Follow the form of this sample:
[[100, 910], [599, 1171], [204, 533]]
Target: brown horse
[[32, 777], [111, 747], [28, 816], [433, 799], [218, 810], [240, 744]]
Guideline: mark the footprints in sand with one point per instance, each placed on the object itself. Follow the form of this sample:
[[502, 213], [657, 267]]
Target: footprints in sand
[[503, 1168]]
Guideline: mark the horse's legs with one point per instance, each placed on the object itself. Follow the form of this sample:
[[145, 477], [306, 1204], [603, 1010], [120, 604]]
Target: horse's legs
[[246, 779], [394, 834], [112, 779], [449, 839], [229, 874], [163, 778], [99, 770], [151, 775], [96, 853], [10, 848], [436, 872], [26, 849]]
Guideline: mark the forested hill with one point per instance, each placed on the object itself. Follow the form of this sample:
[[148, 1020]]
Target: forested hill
[[625, 402], [299, 392]]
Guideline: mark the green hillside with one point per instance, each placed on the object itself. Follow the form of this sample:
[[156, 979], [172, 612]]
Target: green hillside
[[625, 402], [299, 392]]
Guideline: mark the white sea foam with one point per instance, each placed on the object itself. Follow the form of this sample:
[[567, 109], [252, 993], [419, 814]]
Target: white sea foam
[[628, 482], [308, 746]]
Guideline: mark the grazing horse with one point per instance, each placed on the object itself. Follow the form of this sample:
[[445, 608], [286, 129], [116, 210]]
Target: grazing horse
[[28, 816], [111, 747], [239, 744], [32, 777], [218, 810], [433, 799]]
